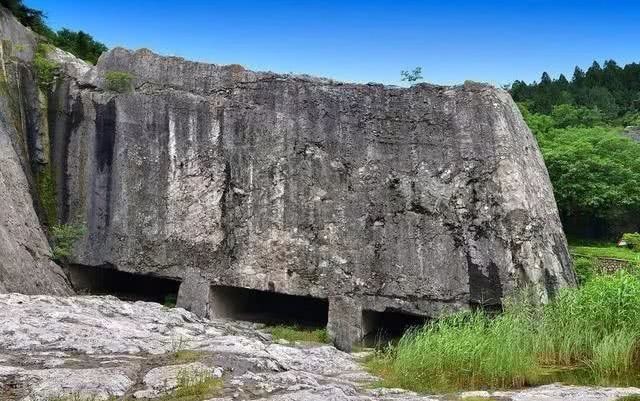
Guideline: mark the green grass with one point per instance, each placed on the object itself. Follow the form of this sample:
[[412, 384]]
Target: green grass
[[295, 333], [194, 386], [629, 398], [589, 335], [186, 356], [605, 250]]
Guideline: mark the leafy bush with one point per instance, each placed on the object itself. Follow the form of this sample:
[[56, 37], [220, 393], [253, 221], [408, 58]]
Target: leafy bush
[[595, 328], [118, 81], [64, 236], [632, 240], [45, 68]]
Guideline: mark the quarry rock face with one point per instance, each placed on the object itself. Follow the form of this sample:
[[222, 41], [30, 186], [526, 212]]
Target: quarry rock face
[[25, 264], [420, 200], [352, 200]]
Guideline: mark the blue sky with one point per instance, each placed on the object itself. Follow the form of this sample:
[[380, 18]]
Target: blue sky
[[494, 41]]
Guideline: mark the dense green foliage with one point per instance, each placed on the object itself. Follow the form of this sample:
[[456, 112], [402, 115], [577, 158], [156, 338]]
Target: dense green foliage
[[44, 68], [612, 90], [589, 335], [80, 44], [632, 240], [594, 169]]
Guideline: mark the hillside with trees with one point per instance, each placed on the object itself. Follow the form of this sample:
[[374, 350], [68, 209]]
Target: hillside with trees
[[78, 43], [593, 165]]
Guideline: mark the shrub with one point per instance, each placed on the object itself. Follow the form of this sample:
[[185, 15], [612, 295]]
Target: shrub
[[63, 237], [632, 240], [45, 69], [118, 81]]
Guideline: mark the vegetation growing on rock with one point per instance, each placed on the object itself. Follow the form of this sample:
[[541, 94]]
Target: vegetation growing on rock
[[45, 68], [80, 44], [118, 81], [63, 237]]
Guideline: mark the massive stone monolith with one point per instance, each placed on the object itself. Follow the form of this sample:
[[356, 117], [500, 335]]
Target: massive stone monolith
[[364, 198], [422, 199]]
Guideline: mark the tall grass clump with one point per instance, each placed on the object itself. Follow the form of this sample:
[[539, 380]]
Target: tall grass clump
[[593, 330], [597, 325], [465, 350]]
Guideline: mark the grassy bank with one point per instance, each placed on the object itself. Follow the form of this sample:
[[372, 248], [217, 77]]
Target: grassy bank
[[604, 250], [588, 335]]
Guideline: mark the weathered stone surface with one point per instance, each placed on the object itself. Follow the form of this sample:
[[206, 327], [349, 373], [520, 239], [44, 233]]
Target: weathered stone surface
[[194, 294], [163, 379], [101, 346], [25, 264], [423, 200]]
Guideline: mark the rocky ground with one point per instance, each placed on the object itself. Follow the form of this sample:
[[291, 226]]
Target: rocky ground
[[101, 348]]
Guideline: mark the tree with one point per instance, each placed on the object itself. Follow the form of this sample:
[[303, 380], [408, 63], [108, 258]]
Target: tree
[[80, 44], [595, 171], [412, 76]]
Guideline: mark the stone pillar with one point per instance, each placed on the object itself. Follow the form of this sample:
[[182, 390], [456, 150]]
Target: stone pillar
[[194, 294], [344, 325]]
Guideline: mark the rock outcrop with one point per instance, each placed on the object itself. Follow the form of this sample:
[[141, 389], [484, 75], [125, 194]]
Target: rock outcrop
[[368, 198], [99, 347], [25, 255]]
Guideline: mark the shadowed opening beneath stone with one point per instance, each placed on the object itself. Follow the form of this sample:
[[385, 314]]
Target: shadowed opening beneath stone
[[126, 286], [269, 307], [380, 328]]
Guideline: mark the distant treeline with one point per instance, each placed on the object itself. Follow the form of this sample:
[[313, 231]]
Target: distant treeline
[[611, 90], [80, 44]]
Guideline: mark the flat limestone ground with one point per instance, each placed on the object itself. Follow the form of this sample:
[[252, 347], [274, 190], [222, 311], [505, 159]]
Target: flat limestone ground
[[102, 348]]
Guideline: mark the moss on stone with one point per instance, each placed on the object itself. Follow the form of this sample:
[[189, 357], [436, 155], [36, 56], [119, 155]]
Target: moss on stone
[[47, 195]]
